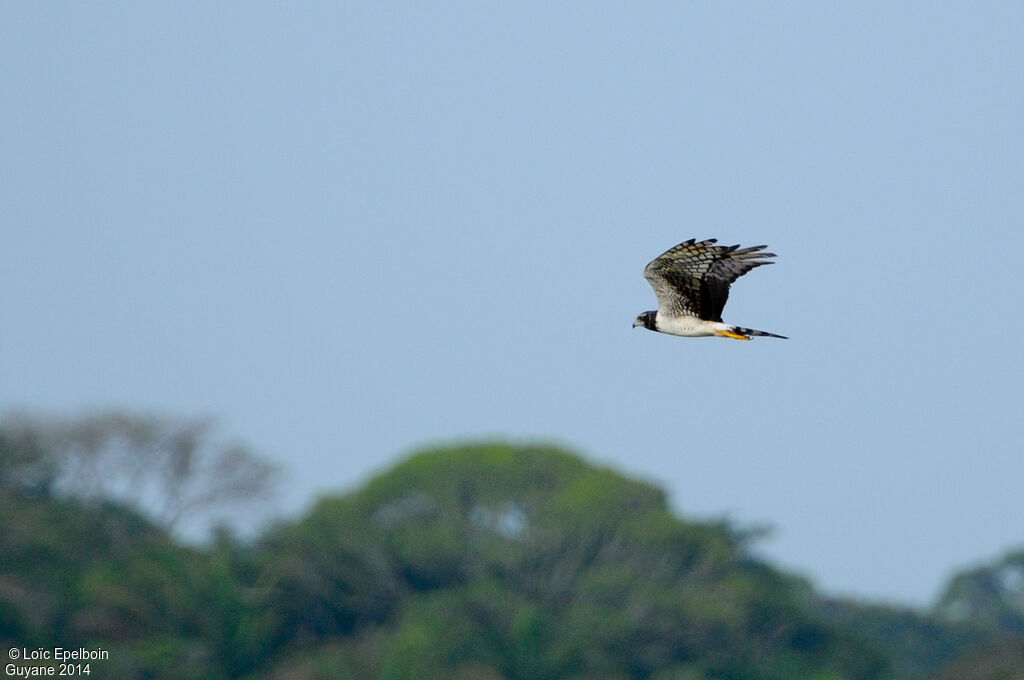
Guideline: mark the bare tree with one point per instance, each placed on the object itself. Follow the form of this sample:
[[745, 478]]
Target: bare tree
[[170, 468], [25, 465]]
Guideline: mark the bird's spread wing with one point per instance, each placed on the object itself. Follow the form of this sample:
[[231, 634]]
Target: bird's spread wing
[[693, 278]]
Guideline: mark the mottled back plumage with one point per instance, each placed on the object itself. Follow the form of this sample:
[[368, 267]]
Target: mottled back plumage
[[693, 278]]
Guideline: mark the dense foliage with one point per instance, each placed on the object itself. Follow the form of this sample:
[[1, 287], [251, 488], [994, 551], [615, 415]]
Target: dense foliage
[[484, 562]]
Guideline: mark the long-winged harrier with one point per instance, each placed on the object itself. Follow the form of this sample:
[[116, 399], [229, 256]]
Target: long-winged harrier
[[692, 282]]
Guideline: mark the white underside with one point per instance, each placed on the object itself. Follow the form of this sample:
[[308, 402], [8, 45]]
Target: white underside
[[688, 326]]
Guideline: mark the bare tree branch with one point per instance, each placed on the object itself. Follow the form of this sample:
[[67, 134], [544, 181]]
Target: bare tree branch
[[170, 468]]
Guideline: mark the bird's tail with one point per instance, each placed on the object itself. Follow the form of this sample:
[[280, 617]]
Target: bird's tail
[[748, 332]]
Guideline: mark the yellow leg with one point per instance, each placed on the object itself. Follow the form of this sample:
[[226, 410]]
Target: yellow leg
[[735, 336]]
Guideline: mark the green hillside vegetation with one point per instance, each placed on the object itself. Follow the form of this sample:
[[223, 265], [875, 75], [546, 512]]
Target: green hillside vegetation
[[1000, 660], [527, 563], [490, 562], [917, 643]]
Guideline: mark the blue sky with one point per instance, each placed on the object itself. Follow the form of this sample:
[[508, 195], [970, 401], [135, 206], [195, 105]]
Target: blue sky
[[351, 230]]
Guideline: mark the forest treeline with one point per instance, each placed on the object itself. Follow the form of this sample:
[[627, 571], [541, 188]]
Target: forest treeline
[[484, 562]]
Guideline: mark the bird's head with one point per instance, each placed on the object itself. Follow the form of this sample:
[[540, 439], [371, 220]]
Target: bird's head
[[646, 320]]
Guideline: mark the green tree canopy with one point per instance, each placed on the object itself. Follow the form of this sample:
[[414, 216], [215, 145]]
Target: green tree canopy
[[482, 562]]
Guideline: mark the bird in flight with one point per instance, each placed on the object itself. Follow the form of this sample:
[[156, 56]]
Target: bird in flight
[[692, 282]]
